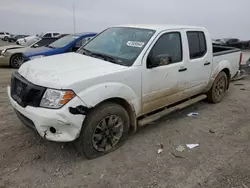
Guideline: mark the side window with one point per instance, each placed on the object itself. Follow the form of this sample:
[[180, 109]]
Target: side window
[[79, 43], [197, 44], [1, 33], [88, 39], [47, 35], [55, 34], [168, 45], [44, 42], [82, 42]]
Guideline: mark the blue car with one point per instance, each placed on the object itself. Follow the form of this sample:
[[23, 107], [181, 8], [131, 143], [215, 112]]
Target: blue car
[[68, 43]]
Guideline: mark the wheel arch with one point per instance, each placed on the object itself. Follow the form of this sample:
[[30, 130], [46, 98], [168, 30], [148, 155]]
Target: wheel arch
[[13, 55], [128, 107], [227, 71]]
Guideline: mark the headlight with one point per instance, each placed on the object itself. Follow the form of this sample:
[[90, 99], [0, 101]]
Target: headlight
[[36, 57], [2, 52], [56, 98]]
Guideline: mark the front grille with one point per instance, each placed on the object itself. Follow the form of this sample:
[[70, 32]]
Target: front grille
[[24, 92]]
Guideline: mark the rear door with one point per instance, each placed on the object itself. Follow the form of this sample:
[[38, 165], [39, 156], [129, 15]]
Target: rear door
[[198, 61]]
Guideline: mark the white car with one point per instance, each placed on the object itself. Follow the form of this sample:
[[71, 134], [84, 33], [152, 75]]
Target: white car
[[125, 77], [27, 41], [49, 35], [4, 35]]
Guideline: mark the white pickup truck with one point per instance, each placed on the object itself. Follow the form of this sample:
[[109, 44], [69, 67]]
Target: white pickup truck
[[125, 77]]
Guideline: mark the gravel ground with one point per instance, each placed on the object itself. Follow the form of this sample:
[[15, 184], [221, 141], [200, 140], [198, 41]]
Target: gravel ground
[[221, 161]]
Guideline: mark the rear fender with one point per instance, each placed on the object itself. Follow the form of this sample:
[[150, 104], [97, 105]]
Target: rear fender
[[225, 64]]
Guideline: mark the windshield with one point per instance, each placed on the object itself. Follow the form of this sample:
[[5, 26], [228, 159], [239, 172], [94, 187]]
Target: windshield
[[63, 41], [121, 43], [43, 42]]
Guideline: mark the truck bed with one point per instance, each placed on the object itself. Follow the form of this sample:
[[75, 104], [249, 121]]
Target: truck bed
[[222, 53]]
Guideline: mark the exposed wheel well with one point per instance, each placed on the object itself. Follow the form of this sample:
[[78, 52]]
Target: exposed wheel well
[[128, 108], [227, 71]]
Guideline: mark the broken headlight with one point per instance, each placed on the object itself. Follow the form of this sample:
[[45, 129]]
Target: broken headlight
[[56, 98]]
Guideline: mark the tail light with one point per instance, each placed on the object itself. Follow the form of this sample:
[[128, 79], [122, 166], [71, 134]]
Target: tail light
[[241, 55]]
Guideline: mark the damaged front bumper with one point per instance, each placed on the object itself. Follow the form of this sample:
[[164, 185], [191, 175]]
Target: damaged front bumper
[[58, 125]]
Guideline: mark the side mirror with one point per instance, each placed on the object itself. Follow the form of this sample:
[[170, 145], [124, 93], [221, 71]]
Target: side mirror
[[159, 60]]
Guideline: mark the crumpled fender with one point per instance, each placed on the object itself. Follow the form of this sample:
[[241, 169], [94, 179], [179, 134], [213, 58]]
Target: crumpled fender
[[101, 92]]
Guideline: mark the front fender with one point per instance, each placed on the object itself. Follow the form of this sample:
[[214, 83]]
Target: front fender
[[101, 92]]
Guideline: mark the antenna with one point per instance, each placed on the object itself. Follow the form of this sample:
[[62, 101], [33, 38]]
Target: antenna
[[74, 20]]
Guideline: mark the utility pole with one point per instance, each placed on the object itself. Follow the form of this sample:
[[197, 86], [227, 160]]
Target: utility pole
[[74, 20]]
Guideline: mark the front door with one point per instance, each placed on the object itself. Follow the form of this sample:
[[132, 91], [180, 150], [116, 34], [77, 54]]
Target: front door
[[162, 84]]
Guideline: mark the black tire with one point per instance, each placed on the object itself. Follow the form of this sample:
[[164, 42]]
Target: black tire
[[86, 143], [16, 61], [218, 89], [5, 38]]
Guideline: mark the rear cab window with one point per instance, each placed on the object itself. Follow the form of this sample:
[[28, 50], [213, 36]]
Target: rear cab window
[[197, 44]]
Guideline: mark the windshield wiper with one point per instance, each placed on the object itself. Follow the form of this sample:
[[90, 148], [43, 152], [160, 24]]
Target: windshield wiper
[[105, 57], [86, 52]]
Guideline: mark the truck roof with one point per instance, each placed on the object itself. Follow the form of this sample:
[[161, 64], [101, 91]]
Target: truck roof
[[160, 27]]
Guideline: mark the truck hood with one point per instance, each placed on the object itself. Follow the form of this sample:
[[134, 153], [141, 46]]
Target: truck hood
[[63, 71]]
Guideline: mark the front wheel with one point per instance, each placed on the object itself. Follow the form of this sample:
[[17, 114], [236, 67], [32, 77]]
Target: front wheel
[[217, 91], [105, 129], [5, 38], [16, 61]]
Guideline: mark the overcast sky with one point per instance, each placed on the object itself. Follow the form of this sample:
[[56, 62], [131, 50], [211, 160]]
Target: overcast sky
[[223, 18]]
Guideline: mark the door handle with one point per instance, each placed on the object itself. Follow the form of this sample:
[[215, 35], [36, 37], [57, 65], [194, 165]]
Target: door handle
[[182, 69], [207, 63]]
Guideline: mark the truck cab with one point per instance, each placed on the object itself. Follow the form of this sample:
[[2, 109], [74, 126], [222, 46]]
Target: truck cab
[[125, 77]]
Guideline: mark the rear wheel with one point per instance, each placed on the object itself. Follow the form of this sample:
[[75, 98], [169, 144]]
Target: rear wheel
[[217, 91], [16, 61], [104, 130]]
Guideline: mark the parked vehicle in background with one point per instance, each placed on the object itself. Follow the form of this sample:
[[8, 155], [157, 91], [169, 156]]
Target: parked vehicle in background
[[48, 35], [219, 41], [27, 41], [15, 37], [69, 43], [13, 54], [10, 36], [125, 77], [4, 35], [233, 42]]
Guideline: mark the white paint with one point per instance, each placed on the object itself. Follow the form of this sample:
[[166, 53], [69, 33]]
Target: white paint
[[95, 80], [191, 146], [135, 44], [68, 126], [4, 34]]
